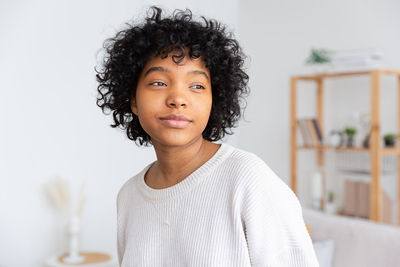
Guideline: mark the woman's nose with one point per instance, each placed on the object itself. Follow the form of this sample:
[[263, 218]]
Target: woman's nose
[[176, 98]]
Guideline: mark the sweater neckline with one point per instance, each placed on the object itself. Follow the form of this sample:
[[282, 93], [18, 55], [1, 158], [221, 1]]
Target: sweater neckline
[[186, 184]]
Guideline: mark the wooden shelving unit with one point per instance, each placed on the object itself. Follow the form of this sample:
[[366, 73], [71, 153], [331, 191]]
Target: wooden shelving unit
[[375, 149]]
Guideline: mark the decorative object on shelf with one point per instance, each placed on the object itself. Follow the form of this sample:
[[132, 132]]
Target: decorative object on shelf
[[60, 195], [331, 196], [336, 138], [365, 125], [318, 189], [366, 141], [318, 56], [330, 205], [360, 121], [318, 59], [350, 132], [390, 139]]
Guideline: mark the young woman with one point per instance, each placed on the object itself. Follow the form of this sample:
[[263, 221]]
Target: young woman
[[176, 84]]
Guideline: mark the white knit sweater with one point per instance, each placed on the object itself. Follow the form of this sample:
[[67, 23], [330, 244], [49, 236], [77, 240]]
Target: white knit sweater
[[232, 211]]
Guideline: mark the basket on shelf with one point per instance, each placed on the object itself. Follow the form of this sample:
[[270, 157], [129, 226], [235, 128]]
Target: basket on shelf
[[360, 161]]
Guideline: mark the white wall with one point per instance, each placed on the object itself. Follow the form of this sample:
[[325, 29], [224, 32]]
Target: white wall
[[50, 124], [278, 36]]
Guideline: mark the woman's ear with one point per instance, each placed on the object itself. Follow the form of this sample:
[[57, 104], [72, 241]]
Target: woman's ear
[[134, 106]]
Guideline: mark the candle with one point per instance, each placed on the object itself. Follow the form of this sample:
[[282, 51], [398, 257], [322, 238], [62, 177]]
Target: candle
[[316, 189]]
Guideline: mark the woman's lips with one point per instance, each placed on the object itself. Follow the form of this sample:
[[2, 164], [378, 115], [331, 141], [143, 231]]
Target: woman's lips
[[175, 123]]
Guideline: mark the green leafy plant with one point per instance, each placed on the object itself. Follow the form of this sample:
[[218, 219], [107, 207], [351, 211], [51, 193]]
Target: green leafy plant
[[318, 56], [390, 137], [331, 196], [350, 131]]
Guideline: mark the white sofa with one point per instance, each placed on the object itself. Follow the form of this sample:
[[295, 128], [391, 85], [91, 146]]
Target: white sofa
[[357, 242]]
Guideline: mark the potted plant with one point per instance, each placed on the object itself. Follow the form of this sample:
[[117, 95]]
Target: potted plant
[[330, 206], [390, 139], [350, 132], [318, 58]]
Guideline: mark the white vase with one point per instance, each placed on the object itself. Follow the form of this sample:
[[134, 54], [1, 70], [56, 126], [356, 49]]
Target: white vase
[[317, 189], [330, 207], [73, 256]]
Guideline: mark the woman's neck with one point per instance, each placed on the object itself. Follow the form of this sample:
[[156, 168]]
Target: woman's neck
[[176, 163]]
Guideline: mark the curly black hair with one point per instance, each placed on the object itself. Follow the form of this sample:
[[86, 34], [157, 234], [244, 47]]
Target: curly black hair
[[127, 53]]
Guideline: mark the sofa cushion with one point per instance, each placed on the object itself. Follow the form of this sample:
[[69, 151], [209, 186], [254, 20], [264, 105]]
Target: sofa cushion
[[358, 242], [324, 251]]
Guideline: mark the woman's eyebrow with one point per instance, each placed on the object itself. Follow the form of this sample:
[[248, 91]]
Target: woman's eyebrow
[[199, 72], [153, 69], [162, 69]]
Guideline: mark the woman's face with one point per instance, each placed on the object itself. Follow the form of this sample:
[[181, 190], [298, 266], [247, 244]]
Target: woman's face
[[166, 88]]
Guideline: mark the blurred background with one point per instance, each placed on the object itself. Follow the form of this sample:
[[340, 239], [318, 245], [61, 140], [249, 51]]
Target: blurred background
[[51, 126]]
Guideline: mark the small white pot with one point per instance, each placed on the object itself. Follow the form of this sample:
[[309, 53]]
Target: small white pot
[[330, 208]]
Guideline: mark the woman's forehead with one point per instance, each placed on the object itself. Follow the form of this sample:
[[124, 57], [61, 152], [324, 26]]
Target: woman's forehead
[[169, 63]]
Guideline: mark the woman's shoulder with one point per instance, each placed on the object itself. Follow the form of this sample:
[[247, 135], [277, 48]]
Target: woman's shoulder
[[248, 164], [243, 158], [254, 174]]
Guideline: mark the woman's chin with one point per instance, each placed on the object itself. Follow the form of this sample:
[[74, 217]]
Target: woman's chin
[[174, 141]]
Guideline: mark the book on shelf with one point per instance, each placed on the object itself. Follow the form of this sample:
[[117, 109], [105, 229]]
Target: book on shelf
[[313, 134], [387, 208], [350, 198], [317, 130], [310, 131], [304, 132], [362, 195], [357, 201]]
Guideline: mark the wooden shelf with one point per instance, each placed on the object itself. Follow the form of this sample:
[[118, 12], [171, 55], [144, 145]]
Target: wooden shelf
[[375, 149], [385, 151], [343, 74]]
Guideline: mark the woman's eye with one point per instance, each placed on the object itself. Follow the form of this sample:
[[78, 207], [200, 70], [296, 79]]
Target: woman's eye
[[197, 86], [158, 84]]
